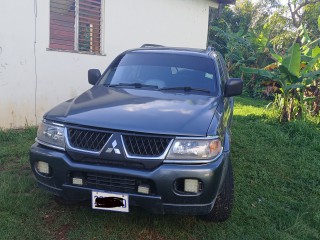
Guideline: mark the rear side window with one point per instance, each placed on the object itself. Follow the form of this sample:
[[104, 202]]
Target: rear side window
[[163, 70]]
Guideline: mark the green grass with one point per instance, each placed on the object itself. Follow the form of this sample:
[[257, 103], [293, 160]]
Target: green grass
[[277, 190]]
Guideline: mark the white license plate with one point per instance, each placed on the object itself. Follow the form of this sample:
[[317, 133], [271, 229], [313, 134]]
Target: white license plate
[[110, 201]]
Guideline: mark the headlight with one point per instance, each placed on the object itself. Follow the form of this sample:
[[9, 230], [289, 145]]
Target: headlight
[[51, 135], [195, 149]]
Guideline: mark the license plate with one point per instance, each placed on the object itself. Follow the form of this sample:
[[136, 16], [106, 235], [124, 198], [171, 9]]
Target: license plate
[[110, 201]]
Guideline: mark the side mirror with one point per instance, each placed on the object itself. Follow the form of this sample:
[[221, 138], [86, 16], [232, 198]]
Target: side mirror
[[93, 76], [233, 87]]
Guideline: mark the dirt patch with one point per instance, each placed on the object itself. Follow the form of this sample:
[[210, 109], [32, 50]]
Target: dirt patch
[[50, 217], [150, 234], [18, 170], [58, 230], [62, 232], [15, 164]]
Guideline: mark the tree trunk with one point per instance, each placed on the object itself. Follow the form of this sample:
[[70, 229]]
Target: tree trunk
[[316, 102], [300, 103], [284, 112], [290, 112]]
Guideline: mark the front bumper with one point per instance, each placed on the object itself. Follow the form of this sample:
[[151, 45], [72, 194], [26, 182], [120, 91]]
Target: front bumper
[[164, 199]]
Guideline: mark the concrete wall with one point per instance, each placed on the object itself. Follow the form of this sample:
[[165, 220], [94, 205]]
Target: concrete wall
[[34, 79]]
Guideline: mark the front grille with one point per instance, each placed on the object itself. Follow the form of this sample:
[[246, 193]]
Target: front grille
[[115, 183], [146, 146], [87, 139]]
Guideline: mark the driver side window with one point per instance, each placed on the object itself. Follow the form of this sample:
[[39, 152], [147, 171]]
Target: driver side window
[[222, 70]]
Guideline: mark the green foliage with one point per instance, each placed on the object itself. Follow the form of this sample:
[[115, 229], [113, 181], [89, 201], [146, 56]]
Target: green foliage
[[261, 72], [228, 34], [311, 19], [261, 39], [232, 35], [281, 36], [293, 79], [292, 61], [236, 49]]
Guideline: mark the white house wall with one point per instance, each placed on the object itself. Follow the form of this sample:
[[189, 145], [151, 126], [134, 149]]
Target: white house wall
[[34, 79]]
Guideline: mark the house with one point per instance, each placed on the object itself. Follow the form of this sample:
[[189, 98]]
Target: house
[[47, 46]]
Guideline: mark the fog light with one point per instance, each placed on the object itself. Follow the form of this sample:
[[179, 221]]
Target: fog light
[[43, 167], [191, 185], [77, 181], [144, 189]]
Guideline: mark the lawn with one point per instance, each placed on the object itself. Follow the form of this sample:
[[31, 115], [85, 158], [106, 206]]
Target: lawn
[[277, 190]]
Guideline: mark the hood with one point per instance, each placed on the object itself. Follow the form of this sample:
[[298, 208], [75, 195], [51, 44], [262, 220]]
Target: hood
[[139, 110]]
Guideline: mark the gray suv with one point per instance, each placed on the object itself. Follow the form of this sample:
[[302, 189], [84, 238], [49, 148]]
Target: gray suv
[[153, 132]]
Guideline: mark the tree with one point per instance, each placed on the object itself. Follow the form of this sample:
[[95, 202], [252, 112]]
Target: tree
[[310, 19], [297, 10], [295, 72], [247, 34]]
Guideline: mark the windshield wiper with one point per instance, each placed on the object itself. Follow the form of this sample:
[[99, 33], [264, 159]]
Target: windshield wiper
[[135, 85], [186, 89]]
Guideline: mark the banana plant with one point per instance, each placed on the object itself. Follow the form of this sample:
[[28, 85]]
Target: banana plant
[[293, 72], [311, 49]]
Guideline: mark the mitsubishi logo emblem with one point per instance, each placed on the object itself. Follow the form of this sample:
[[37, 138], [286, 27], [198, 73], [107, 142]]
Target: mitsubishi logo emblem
[[116, 150]]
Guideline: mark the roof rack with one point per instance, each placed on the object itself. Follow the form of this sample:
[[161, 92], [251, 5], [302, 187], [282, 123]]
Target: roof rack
[[151, 45]]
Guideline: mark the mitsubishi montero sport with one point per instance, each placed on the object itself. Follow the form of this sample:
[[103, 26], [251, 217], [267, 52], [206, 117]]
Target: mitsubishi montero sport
[[153, 131]]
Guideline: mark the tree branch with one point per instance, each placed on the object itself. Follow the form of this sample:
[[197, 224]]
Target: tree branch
[[294, 10], [294, 21], [305, 4]]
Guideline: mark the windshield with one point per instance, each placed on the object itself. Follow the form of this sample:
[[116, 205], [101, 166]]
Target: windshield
[[162, 71]]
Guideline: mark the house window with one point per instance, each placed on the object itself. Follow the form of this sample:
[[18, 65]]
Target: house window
[[75, 25]]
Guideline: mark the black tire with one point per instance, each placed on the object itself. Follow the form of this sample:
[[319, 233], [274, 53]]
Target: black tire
[[221, 210]]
